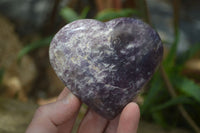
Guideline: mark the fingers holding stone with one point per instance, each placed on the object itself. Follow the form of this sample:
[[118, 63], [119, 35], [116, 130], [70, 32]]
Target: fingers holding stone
[[129, 119], [92, 123], [112, 126]]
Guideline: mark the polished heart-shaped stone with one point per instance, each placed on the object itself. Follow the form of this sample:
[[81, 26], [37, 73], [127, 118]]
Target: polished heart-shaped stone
[[106, 64]]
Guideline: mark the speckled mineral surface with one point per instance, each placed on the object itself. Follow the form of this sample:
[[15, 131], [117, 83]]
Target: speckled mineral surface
[[106, 64]]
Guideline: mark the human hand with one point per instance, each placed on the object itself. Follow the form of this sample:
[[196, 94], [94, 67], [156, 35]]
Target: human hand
[[60, 116]]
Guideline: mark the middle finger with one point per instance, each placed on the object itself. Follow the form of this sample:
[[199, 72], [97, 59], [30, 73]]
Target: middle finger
[[92, 123]]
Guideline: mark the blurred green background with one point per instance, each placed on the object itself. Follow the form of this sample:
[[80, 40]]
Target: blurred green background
[[169, 103]]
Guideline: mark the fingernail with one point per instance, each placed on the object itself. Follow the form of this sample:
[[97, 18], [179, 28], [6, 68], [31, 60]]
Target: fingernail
[[90, 114], [68, 98]]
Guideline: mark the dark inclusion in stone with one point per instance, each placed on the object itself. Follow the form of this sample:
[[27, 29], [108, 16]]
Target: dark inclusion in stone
[[106, 64]]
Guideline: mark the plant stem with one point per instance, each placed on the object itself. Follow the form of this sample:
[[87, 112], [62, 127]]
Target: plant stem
[[142, 4], [172, 53], [51, 22], [117, 4], [100, 5], [106, 4], [176, 7], [180, 107]]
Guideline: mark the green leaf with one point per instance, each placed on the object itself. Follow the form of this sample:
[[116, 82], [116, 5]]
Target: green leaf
[[186, 86], [69, 14], [81, 114], [109, 14], [32, 46], [152, 94], [159, 118], [188, 54], [170, 59], [172, 102], [84, 12]]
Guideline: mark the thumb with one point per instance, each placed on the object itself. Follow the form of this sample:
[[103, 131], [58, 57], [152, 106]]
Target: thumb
[[48, 117]]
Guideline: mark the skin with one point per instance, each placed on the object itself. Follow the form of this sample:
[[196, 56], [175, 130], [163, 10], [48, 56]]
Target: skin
[[60, 116]]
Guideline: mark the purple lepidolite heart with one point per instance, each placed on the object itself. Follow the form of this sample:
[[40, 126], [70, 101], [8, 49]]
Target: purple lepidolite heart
[[106, 64]]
